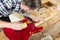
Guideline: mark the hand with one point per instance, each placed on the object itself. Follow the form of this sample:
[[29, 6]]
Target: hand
[[36, 18], [17, 26]]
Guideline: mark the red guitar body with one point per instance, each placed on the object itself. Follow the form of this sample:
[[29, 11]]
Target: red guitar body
[[23, 34]]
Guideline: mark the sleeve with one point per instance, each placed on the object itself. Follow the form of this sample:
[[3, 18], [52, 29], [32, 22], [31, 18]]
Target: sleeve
[[5, 6], [16, 5]]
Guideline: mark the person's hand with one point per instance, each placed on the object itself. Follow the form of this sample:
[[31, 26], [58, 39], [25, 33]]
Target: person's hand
[[36, 18], [17, 26]]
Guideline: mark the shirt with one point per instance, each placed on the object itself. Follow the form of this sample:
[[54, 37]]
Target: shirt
[[7, 6]]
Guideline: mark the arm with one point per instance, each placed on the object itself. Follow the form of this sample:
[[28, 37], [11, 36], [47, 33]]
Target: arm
[[4, 24], [14, 25]]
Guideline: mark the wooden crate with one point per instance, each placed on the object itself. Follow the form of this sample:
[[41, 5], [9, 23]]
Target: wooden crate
[[55, 18]]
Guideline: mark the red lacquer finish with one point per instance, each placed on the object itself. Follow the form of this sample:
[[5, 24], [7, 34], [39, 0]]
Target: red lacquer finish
[[23, 34]]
